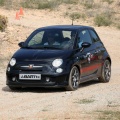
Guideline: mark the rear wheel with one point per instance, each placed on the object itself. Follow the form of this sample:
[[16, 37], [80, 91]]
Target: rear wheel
[[106, 72], [74, 78]]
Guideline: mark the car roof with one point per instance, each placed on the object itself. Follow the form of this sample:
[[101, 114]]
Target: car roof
[[74, 27]]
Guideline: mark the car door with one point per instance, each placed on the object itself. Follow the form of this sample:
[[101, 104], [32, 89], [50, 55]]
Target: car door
[[100, 49], [87, 64]]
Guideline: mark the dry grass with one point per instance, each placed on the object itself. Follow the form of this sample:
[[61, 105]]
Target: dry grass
[[108, 115], [84, 101]]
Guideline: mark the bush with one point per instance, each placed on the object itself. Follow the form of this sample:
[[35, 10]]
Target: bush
[[1, 2], [102, 20], [118, 26], [45, 5], [40, 4], [75, 16], [29, 4], [87, 3], [3, 23], [108, 1], [49, 4], [70, 1]]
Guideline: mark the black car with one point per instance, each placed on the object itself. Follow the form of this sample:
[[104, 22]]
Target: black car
[[59, 56]]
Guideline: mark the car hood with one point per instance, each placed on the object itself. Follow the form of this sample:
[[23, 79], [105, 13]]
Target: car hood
[[39, 54]]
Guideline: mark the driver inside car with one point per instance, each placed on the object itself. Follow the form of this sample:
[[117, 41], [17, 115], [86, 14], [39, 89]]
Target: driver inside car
[[51, 40]]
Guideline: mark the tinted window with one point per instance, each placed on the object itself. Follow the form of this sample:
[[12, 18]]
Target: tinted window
[[37, 39], [57, 38], [94, 36], [84, 36]]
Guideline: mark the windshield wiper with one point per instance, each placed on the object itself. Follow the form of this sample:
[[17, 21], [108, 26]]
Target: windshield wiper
[[28, 47], [47, 47], [51, 47], [42, 47]]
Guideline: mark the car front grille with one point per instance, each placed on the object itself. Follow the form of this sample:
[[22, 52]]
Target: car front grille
[[36, 67]]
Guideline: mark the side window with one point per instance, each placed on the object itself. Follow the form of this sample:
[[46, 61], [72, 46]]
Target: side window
[[37, 39], [84, 36], [66, 34], [94, 36]]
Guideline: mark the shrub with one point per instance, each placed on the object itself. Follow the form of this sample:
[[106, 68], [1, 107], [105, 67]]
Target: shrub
[[87, 3], [45, 5], [1, 2], [75, 16], [118, 26], [3, 23], [49, 4], [102, 20], [108, 1], [40, 4], [28, 4], [70, 1]]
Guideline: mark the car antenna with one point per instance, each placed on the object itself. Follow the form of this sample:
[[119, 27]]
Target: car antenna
[[72, 21]]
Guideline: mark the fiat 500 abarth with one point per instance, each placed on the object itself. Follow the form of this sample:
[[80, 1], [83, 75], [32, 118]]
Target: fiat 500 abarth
[[59, 56]]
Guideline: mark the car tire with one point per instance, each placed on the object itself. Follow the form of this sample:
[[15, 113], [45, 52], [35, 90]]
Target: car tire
[[74, 79], [106, 72], [14, 88]]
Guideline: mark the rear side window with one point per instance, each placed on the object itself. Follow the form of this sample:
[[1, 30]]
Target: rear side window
[[95, 38]]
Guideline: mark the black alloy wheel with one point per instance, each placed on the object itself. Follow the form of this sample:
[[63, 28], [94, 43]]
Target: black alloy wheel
[[74, 79], [106, 72]]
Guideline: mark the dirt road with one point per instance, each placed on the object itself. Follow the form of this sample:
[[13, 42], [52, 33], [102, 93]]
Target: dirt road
[[89, 102]]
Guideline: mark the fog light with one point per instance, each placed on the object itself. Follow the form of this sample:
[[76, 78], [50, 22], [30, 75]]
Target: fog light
[[13, 79], [8, 69], [59, 70], [47, 79]]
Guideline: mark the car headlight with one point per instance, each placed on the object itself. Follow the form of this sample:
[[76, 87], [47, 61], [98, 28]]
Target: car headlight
[[12, 61], [57, 62]]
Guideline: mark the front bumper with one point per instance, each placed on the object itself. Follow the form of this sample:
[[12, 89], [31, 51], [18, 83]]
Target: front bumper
[[53, 80]]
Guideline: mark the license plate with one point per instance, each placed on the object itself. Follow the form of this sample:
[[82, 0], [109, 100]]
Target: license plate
[[29, 76]]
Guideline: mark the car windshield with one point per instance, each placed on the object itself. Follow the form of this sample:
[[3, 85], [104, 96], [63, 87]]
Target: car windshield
[[51, 39]]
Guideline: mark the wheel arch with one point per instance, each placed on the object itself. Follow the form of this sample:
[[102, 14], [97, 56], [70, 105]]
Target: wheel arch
[[108, 58], [78, 67]]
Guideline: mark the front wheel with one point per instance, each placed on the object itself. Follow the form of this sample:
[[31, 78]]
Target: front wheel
[[106, 72], [74, 78]]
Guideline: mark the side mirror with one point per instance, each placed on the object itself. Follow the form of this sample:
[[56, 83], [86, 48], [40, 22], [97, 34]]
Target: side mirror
[[85, 45], [21, 44]]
